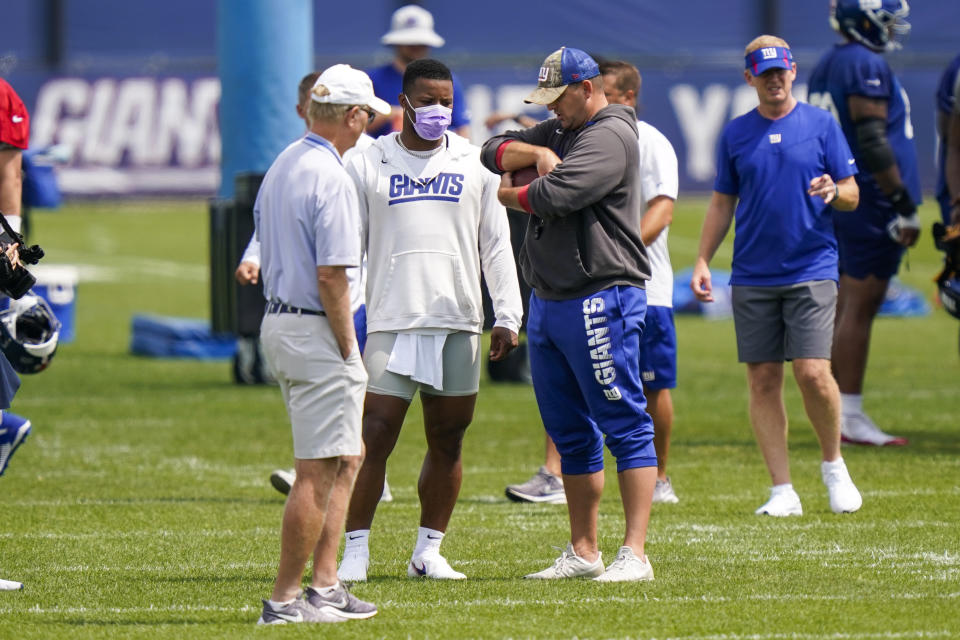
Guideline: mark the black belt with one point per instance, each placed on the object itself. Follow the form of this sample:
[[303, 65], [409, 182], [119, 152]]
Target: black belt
[[279, 307]]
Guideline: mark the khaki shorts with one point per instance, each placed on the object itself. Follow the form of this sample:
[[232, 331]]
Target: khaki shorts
[[461, 367], [774, 324], [323, 393]]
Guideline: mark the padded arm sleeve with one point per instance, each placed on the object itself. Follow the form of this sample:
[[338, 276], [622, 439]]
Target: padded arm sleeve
[[876, 154]]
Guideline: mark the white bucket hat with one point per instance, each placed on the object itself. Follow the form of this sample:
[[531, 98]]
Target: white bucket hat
[[412, 25]]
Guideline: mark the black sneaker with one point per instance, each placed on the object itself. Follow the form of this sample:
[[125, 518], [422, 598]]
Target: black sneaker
[[341, 603]]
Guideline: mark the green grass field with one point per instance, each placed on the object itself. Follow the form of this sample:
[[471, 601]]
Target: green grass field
[[140, 507]]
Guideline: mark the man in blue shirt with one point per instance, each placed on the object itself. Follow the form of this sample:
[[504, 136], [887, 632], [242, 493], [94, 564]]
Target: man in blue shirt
[[948, 130], [854, 83], [785, 162], [411, 35]]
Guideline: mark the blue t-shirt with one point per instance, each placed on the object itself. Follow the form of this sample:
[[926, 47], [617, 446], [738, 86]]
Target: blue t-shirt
[[783, 236], [854, 70], [946, 103], [388, 84]]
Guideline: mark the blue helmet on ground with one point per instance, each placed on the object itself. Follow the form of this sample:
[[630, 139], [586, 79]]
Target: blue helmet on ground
[[29, 332], [873, 23]]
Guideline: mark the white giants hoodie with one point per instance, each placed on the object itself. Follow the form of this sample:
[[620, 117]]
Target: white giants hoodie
[[430, 225]]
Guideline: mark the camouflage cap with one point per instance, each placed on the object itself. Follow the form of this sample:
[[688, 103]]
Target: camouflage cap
[[563, 67]]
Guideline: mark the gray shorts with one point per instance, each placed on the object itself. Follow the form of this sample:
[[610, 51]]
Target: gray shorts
[[323, 392], [461, 367], [774, 324]]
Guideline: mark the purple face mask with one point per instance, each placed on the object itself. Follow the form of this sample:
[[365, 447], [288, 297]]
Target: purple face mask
[[432, 120]]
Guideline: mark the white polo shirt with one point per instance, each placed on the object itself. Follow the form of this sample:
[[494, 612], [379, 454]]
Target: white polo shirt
[[306, 216], [658, 177]]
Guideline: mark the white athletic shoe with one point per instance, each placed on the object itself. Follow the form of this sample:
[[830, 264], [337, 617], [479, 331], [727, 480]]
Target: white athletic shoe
[[782, 503], [627, 568], [844, 497], [570, 565], [433, 565], [858, 428], [282, 480], [353, 567], [10, 585], [663, 492]]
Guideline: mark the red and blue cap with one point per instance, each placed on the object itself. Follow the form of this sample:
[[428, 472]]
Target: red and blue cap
[[563, 67], [759, 60]]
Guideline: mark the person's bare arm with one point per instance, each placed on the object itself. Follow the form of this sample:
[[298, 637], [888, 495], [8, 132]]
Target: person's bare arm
[[335, 297], [11, 182], [656, 218], [715, 226], [842, 196]]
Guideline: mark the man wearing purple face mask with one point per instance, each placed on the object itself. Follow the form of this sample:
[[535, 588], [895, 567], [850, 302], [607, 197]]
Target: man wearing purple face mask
[[431, 223]]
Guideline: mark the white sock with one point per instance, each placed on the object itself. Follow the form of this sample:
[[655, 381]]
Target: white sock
[[357, 541], [832, 464], [428, 541], [851, 403], [326, 591], [781, 488], [280, 605]]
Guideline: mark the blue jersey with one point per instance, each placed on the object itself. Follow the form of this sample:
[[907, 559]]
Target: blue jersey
[[854, 70], [388, 85], [947, 94], [783, 235]]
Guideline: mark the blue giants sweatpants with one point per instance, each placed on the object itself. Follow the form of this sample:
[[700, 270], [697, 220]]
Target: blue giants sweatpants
[[584, 359]]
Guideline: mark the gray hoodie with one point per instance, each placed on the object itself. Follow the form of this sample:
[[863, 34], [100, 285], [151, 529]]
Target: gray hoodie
[[584, 234]]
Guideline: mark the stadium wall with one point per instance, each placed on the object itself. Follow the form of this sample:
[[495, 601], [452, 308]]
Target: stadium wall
[[138, 108]]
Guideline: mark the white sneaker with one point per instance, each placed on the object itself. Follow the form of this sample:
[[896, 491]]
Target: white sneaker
[[570, 565], [353, 567], [663, 492], [844, 497], [627, 568], [782, 503], [10, 585], [386, 496], [282, 480], [858, 428], [433, 565]]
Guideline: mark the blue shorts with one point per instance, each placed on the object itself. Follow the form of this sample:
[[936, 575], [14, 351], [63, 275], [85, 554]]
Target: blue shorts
[[360, 326], [584, 360], [658, 350], [864, 246]]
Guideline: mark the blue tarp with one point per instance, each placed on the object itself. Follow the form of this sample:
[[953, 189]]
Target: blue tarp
[[166, 337]]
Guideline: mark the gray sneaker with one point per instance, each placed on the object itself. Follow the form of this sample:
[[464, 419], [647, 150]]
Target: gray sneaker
[[542, 487], [663, 492], [341, 603], [297, 611]]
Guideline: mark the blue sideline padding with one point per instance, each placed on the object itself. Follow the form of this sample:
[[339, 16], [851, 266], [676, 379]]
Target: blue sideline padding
[[166, 337], [901, 300]]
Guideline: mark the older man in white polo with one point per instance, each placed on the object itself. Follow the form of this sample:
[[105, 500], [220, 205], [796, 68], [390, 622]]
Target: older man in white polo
[[308, 225]]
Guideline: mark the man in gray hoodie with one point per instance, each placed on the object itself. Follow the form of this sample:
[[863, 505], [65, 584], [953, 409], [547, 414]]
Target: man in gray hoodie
[[587, 265]]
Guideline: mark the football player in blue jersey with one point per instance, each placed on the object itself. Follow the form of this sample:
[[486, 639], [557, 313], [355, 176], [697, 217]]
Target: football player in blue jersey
[[778, 167], [854, 83], [948, 130]]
